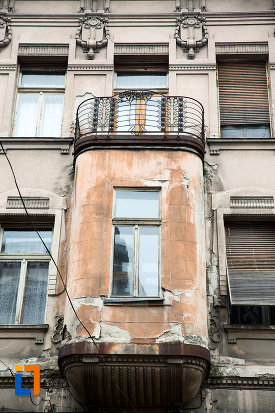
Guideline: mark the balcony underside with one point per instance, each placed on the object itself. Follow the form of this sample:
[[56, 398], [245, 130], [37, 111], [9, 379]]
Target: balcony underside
[[165, 375], [184, 142]]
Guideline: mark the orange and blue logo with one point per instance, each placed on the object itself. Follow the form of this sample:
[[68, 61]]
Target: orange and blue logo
[[19, 391]]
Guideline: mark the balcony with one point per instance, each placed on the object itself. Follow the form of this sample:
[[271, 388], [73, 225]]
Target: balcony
[[140, 118]]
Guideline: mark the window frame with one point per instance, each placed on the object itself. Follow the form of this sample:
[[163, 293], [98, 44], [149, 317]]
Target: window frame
[[136, 223], [24, 259], [41, 92]]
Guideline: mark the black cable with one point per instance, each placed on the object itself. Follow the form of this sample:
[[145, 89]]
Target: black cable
[[59, 273], [10, 370]]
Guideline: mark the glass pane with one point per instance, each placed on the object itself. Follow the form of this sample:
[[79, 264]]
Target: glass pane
[[246, 315], [9, 281], [25, 241], [52, 115], [126, 115], [26, 119], [232, 131], [123, 261], [257, 131], [153, 114], [141, 80], [35, 293], [43, 79], [137, 204], [148, 262]]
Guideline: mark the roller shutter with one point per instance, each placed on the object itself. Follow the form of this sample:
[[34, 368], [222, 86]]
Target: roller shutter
[[250, 250], [243, 93]]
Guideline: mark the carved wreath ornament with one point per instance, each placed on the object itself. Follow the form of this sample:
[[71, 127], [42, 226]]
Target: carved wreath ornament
[[5, 32], [189, 29], [92, 35]]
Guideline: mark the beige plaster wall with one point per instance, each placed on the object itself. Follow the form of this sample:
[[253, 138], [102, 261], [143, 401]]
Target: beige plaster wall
[[179, 176]]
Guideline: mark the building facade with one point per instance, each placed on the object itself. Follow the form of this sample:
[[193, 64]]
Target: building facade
[[141, 137]]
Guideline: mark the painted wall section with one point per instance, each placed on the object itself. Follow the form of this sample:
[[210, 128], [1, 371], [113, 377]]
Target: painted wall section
[[182, 317]]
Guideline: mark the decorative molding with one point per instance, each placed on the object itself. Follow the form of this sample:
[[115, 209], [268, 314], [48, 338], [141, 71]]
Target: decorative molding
[[58, 331], [89, 31], [8, 5], [92, 6], [93, 68], [7, 68], [215, 330], [43, 49], [271, 66], [5, 32], [14, 202], [251, 202], [62, 144], [190, 5], [185, 34], [243, 382], [191, 67], [222, 144], [242, 47], [235, 333], [142, 48], [20, 331]]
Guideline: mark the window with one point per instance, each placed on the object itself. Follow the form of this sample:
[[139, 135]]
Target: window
[[140, 112], [24, 265], [243, 96], [40, 104], [250, 249], [136, 222]]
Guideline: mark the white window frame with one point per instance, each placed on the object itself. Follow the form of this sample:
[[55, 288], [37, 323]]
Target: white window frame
[[136, 223], [41, 91], [24, 259]]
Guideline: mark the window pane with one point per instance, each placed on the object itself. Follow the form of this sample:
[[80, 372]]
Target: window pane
[[232, 131], [123, 261], [26, 120], [43, 79], [257, 131], [126, 115], [15, 241], [153, 114], [52, 115], [9, 281], [35, 293], [137, 204], [148, 261], [141, 80]]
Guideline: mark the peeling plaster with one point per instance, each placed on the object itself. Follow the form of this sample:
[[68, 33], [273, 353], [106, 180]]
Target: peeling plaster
[[113, 334], [175, 335], [185, 181]]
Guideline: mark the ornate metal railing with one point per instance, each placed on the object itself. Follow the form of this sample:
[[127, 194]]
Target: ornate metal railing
[[140, 115]]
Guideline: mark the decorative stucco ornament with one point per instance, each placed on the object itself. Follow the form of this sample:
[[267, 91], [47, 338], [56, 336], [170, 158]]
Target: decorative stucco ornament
[[5, 32], [92, 35], [191, 34]]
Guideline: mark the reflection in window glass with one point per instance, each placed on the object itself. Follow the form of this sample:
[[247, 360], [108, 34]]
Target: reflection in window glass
[[25, 241], [27, 115], [257, 131], [141, 80], [137, 204], [43, 80], [52, 115], [153, 114], [9, 281], [123, 261], [126, 115], [35, 293], [148, 261]]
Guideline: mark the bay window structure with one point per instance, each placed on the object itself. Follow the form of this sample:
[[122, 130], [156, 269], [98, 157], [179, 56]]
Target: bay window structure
[[243, 97], [250, 249], [24, 266], [39, 104], [136, 223]]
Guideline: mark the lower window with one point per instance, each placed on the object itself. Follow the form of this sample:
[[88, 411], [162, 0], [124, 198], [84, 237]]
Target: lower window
[[24, 266], [257, 131], [252, 315]]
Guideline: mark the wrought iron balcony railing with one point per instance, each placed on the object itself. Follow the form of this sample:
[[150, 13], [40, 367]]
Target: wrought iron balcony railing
[[139, 117]]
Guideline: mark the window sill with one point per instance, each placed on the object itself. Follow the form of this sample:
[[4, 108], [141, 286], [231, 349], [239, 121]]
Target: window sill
[[224, 144], [62, 144], [24, 331], [248, 332], [134, 301]]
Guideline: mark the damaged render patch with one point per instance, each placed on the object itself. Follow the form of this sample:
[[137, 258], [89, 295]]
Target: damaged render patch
[[174, 335], [113, 334]]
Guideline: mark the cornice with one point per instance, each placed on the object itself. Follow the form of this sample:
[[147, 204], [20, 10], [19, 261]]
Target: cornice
[[192, 67], [141, 48], [88, 68], [7, 68], [43, 49], [243, 382], [242, 47]]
